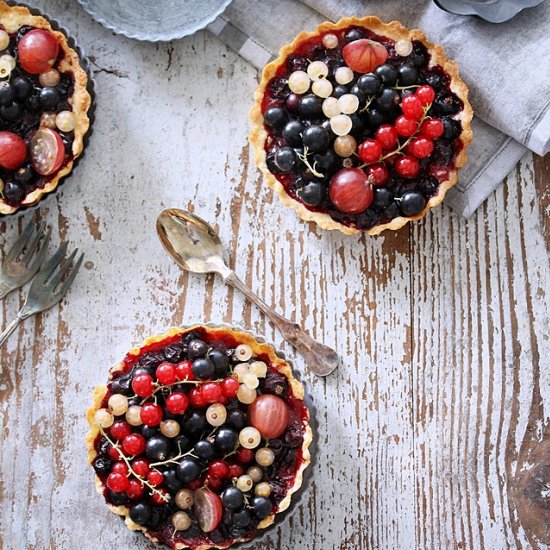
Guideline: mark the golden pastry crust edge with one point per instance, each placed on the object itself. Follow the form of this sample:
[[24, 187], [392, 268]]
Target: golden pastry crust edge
[[14, 17], [395, 31], [257, 348]]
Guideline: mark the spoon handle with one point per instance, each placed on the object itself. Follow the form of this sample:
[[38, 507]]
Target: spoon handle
[[321, 359]]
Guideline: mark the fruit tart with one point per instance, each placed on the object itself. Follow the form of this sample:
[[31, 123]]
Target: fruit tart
[[200, 438], [44, 107], [361, 125]]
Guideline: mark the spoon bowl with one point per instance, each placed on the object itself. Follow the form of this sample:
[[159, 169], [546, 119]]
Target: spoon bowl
[[192, 242]]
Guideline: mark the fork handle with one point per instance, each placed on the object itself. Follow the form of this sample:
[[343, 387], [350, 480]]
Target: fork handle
[[9, 330], [4, 291]]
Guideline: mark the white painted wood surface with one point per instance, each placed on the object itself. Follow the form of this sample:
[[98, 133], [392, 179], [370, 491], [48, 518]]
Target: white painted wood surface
[[443, 327]]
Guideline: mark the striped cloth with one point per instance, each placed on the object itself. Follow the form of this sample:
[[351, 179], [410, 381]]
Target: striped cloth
[[257, 28]]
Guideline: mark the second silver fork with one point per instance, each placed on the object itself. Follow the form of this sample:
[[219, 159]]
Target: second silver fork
[[24, 258], [48, 288]]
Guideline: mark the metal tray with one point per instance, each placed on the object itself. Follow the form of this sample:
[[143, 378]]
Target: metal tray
[[157, 21], [494, 11]]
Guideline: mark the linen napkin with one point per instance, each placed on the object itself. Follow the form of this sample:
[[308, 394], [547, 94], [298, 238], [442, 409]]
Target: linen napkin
[[504, 66]]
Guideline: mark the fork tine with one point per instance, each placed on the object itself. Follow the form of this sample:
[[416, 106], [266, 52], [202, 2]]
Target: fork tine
[[41, 253], [53, 262], [33, 243], [20, 243], [69, 281], [55, 279]]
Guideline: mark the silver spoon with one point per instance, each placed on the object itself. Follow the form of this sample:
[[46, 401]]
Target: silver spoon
[[196, 247]]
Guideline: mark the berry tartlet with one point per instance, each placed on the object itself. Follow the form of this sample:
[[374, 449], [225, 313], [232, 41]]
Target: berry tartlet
[[44, 107], [200, 438], [361, 125]]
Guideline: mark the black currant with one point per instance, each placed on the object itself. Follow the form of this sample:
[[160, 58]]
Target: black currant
[[221, 362], [286, 158], [242, 518], [102, 466], [233, 498], [13, 192], [172, 481], [340, 90], [293, 133], [188, 470], [22, 87], [7, 93], [388, 99], [205, 450], [261, 506], [407, 75], [140, 513], [11, 112], [316, 139], [157, 448], [49, 97], [195, 425], [311, 107], [203, 368], [236, 419], [196, 348], [275, 117], [354, 34], [369, 84], [226, 439], [387, 73], [312, 193], [383, 197], [412, 203]]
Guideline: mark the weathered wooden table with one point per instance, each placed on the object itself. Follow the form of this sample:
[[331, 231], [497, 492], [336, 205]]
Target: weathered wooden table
[[428, 434]]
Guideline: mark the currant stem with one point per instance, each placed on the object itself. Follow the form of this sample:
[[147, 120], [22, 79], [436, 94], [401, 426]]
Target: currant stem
[[371, 99], [303, 158], [174, 459], [130, 469]]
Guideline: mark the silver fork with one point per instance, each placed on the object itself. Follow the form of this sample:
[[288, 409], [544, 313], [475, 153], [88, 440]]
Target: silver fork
[[48, 287], [24, 259]]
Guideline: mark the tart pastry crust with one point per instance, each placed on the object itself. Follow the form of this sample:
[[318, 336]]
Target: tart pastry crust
[[258, 348], [395, 31], [15, 17]]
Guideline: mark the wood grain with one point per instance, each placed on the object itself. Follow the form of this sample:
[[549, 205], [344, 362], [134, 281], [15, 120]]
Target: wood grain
[[434, 428]]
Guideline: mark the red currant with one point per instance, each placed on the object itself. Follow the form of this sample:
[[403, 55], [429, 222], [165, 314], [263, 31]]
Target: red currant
[[236, 470], [133, 444], [378, 173], [120, 468], [117, 482], [161, 496], [142, 384], [407, 167], [184, 371], [425, 94], [230, 387], [386, 136], [120, 429], [151, 414], [135, 489], [166, 373], [114, 453], [177, 402], [350, 191], [155, 478], [196, 399], [245, 456], [432, 128], [412, 107], [223, 399], [370, 150], [421, 147], [211, 392], [218, 468], [405, 126], [141, 467], [213, 482]]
